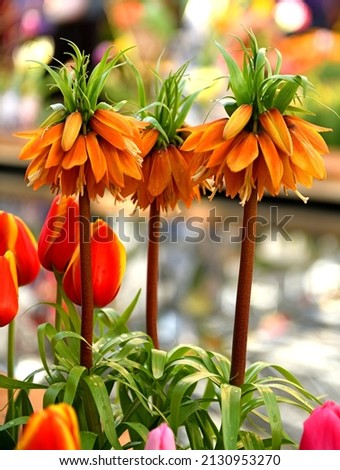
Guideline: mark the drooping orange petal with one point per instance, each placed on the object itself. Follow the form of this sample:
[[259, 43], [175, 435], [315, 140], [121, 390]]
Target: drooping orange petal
[[115, 121], [272, 159], [288, 178], [148, 140], [180, 171], [115, 167], [263, 178], [212, 137], [96, 156], [302, 176], [306, 157], [55, 155], [72, 126], [237, 121], [68, 181], [160, 174], [115, 137], [77, 155], [233, 181], [274, 124], [219, 154], [308, 133], [43, 140], [130, 164], [296, 121], [243, 153]]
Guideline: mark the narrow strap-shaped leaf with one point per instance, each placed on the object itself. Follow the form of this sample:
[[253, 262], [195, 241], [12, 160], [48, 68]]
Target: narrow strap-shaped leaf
[[274, 415], [231, 411], [251, 440], [101, 398], [158, 362], [179, 391], [237, 81], [72, 383]]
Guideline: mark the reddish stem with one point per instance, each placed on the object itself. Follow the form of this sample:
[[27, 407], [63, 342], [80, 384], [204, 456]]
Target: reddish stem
[[152, 274], [245, 279], [86, 280]]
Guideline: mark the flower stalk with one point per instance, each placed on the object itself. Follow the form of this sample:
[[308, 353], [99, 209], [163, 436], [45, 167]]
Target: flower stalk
[[245, 279], [86, 280], [152, 274]]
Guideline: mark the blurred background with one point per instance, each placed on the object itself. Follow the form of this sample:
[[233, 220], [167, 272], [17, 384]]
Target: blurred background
[[296, 295]]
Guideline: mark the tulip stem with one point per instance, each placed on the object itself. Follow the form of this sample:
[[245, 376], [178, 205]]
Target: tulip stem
[[245, 279], [86, 280], [10, 368], [152, 273]]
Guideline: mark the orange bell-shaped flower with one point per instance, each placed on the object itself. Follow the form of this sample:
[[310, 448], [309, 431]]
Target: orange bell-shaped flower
[[8, 288], [53, 428], [18, 238], [108, 266], [59, 235]]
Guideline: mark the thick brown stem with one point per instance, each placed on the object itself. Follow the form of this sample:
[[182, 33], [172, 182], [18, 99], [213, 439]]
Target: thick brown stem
[[245, 279], [86, 280], [152, 274]]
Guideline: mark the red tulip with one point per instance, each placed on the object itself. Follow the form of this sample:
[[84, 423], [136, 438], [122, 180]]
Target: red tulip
[[108, 266], [53, 428], [18, 238], [8, 288], [161, 438], [59, 235], [321, 430]]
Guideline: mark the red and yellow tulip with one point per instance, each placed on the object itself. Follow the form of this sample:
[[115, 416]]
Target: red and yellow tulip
[[18, 238], [108, 266], [9, 303], [53, 428], [60, 233]]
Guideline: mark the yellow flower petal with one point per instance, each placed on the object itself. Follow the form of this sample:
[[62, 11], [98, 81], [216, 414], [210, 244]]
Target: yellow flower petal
[[238, 120], [71, 130]]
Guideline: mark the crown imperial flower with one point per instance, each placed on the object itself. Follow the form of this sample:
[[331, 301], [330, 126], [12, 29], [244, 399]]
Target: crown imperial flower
[[83, 143], [261, 144]]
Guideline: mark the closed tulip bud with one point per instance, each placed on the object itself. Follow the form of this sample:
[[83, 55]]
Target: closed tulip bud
[[53, 428], [18, 238], [59, 235], [8, 288], [321, 430], [161, 438], [108, 266]]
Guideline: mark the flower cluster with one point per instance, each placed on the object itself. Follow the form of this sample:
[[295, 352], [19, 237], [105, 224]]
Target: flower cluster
[[261, 144], [19, 263], [83, 143]]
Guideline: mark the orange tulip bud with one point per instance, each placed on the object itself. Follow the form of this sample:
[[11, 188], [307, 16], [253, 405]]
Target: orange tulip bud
[[59, 235], [108, 266], [17, 237], [53, 428], [8, 288]]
